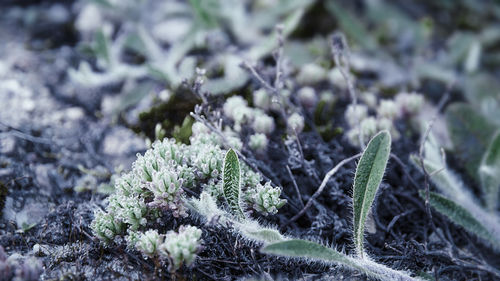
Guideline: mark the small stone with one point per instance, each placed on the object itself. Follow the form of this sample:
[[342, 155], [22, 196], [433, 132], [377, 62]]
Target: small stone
[[122, 141], [7, 144]]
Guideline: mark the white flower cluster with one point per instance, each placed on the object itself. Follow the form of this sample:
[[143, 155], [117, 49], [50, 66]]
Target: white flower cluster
[[177, 247], [237, 109], [404, 105]]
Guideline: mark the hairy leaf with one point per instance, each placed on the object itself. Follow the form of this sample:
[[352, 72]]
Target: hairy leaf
[[460, 215], [306, 249], [369, 173], [470, 133], [102, 47], [266, 235], [231, 183], [489, 173]]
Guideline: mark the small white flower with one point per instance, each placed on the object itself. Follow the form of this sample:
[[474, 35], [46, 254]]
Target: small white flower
[[232, 105], [258, 142], [368, 128], [311, 73], [355, 114], [262, 99], [409, 103], [295, 123], [387, 109], [307, 97], [263, 124]]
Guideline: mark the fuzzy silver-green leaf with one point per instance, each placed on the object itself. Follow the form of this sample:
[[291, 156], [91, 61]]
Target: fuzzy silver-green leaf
[[298, 248], [460, 215], [266, 235], [489, 173], [369, 174], [305, 249], [470, 133], [231, 178]]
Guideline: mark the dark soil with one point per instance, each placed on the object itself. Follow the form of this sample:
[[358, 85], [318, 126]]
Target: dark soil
[[44, 147]]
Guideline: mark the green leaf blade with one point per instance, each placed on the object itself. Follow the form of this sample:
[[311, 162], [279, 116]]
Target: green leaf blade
[[265, 235], [305, 249], [459, 215], [297, 248], [369, 174], [489, 173], [231, 183], [470, 134]]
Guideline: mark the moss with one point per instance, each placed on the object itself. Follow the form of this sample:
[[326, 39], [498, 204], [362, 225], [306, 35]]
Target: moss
[[170, 115]]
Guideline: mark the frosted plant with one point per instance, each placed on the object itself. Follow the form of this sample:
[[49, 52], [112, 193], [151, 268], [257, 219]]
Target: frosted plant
[[128, 184], [105, 226], [146, 165], [266, 198], [156, 183], [131, 210], [181, 247], [167, 190], [169, 150], [149, 242]]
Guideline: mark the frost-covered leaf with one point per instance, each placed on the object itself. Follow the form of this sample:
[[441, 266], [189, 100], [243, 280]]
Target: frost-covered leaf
[[102, 48], [481, 91], [461, 216], [470, 133], [369, 174], [306, 249], [351, 25], [489, 173], [266, 234], [231, 183]]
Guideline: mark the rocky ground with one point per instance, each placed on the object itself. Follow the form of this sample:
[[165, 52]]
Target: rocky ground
[[60, 145]]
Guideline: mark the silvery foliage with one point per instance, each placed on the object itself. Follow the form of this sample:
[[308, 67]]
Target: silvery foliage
[[177, 248], [155, 185]]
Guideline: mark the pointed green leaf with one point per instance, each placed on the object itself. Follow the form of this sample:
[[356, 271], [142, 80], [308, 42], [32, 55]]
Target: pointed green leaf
[[460, 215], [489, 173], [470, 133], [266, 235], [305, 249], [102, 47], [231, 183], [298, 248], [369, 173]]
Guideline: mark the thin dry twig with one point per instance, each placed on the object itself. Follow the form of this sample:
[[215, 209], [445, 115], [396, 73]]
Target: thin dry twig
[[299, 196], [421, 150], [341, 55], [322, 187]]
